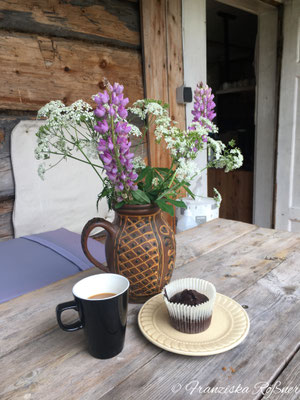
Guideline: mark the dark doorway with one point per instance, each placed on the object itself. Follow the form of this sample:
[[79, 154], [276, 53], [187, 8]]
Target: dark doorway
[[231, 38]]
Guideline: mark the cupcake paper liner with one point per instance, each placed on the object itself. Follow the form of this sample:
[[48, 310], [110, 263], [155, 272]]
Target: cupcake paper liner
[[186, 318]]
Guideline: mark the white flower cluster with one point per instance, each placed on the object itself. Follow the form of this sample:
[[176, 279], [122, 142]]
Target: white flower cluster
[[155, 182], [138, 163], [66, 129], [217, 146], [135, 130], [225, 158], [91, 148], [61, 116], [186, 170], [234, 160], [142, 108]]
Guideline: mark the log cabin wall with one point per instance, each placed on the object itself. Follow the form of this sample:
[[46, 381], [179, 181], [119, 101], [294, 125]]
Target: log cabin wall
[[52, 49]]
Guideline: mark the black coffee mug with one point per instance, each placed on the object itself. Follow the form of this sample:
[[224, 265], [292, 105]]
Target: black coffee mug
[[102, 319]]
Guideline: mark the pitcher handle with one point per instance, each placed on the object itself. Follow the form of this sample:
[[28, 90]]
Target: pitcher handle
[[89, 226]]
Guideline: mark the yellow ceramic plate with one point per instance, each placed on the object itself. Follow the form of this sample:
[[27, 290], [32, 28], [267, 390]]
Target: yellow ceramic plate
[[229, 327]]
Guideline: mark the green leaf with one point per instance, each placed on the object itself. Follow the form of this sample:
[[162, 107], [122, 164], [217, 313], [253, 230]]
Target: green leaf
[[140, 196], [143, 173], [119, 205], [148, 180], [165, 207], [189, 192], [160, 169], [177, 203]]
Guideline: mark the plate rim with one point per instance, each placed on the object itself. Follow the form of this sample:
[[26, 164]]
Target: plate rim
[[193, 353]]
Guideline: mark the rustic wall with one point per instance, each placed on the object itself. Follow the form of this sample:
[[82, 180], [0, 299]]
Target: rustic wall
[[51, 49]]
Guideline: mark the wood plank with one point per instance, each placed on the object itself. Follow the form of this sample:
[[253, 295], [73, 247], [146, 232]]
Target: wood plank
[[271, 302], [114, 23], [163, 68], [286, 386], [6, 227], [175, 59], [155, 62], [236, 188], [154, 38], [205, 238], [175, 65], [31, 374], [52, 292], [65, 70]]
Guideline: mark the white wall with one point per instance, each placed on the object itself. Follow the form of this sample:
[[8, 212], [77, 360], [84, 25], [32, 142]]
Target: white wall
[[194, 62]]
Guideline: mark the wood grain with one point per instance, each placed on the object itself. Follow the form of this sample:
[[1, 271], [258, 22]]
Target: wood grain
[[236, 188], [286, 386], [175, 59], [38, 69], [163, 68], [208, 237], [154, 38], [111, 22], [268, 306], [6, 227], [259, 269]]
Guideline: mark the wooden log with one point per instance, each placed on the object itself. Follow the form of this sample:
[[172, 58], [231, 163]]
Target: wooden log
[[6, 227], [112, 22], [38, 69]]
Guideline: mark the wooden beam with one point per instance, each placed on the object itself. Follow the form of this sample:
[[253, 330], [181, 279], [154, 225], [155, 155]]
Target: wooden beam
[[36, 69], [154, 39], [113, 22], [163, 66], [175, 59]]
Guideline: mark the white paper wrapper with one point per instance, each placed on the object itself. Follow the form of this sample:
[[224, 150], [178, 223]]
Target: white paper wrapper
[[186, 318]]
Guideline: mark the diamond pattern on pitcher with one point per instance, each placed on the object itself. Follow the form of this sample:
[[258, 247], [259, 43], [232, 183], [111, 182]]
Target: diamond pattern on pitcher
[[139, 255]]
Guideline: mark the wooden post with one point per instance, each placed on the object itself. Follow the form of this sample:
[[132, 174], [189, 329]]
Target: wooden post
[[163, 67]]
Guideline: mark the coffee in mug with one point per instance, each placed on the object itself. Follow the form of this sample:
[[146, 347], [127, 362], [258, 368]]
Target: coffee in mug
[[101, 301]]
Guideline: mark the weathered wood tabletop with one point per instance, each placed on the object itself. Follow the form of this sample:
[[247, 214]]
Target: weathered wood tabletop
[[259, 268]]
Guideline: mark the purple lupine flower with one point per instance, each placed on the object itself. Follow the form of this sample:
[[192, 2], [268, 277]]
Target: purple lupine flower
[[204, 104], [100, 111], [114, 144]]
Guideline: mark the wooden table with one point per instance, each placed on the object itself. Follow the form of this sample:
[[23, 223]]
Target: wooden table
[[260, 268]]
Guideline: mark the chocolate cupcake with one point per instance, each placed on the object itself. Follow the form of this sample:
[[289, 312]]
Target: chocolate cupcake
[[190, 303]]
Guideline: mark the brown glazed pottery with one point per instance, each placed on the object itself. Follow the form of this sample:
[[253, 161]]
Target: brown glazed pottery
[[140, 245]]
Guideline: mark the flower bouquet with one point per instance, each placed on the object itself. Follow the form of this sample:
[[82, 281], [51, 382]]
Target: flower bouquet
[[140, 244], [103, 139]]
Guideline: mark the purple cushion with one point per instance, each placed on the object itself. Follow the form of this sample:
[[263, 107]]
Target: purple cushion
[[32, 262]]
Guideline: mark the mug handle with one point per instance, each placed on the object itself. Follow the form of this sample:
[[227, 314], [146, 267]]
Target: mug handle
[[70, 305]]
